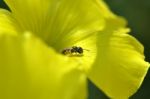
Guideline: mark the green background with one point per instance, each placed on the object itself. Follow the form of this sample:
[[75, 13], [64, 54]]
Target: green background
[[137, 13]]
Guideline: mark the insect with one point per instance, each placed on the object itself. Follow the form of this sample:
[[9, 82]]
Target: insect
[[73, 51]]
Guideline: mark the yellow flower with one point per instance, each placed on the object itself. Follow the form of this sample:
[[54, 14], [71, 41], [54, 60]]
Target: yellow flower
[[33, 34]]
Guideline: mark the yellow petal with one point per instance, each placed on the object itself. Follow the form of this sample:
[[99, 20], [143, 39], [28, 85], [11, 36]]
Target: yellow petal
[[53, 20], [30, 14], [29, 69], [75, 20], [7, 23], [120, 67], [107, 13]]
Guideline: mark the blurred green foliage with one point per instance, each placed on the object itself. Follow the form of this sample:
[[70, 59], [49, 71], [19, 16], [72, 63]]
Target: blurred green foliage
[[3, 5], [137, 13]]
